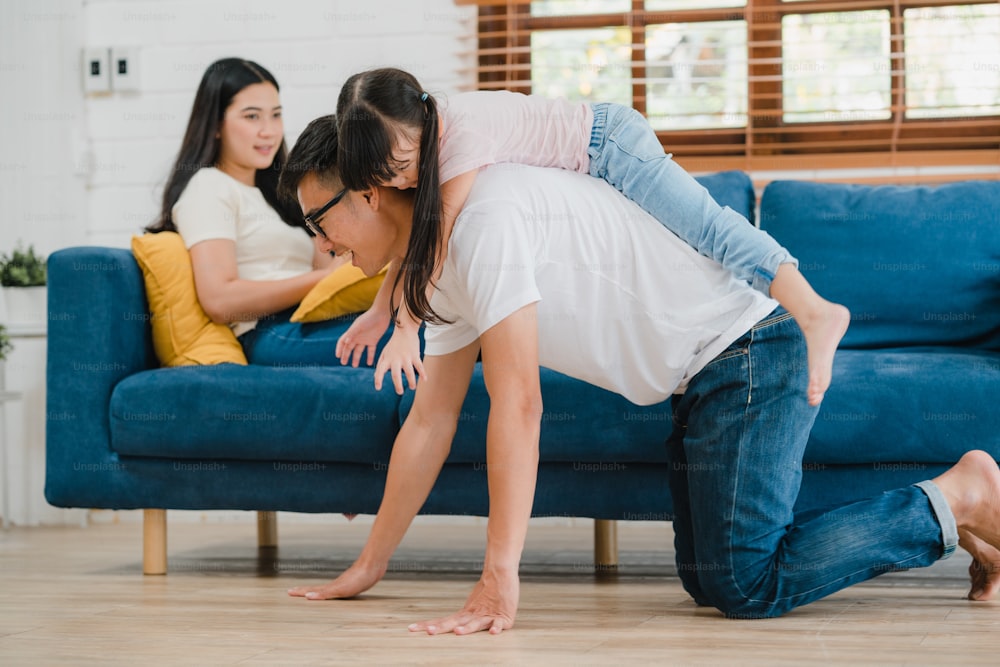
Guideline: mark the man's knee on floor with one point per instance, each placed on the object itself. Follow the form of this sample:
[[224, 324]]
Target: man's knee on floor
[[688, 575], [719, 590]]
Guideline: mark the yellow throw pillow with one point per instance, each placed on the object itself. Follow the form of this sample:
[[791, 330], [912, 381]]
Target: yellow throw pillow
[[346, 290], [183, 334]]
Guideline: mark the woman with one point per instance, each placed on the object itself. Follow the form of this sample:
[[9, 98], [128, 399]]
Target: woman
[[252, 259]]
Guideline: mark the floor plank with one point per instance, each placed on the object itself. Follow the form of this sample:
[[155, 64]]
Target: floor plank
[[76, 596]]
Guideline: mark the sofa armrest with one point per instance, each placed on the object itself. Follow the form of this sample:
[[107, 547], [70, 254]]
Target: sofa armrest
[[98, 333]]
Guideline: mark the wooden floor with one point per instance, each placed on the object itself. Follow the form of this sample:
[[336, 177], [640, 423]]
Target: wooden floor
[[75, 596]]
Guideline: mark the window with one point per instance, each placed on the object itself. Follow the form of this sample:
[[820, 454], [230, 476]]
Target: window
[[768, 84]]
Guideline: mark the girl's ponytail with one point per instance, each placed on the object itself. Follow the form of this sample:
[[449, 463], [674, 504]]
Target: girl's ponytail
[[425, 235], [372, 109]]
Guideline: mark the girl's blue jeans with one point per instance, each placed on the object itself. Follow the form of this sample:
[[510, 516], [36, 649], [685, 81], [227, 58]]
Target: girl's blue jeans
[[735, 457], [625, 152]]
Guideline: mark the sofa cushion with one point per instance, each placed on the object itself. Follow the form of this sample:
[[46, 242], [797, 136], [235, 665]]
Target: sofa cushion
[[916, 265], [334, 414], [733, 189], [346, 290], [582, 424], [265, 413], [918, 404], [183, 334]]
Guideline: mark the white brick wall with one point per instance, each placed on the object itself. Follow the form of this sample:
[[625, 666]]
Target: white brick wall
[[311, 47], [89, 170], [42, 126]]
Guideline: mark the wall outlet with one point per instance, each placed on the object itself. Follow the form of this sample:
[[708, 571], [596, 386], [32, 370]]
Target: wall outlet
[[125, 69], [96, 70]]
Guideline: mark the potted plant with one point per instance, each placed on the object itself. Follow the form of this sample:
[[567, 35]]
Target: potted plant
[[23, 277], [5, 347]]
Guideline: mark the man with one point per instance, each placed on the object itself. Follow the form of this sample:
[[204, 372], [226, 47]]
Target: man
[[547, 267]]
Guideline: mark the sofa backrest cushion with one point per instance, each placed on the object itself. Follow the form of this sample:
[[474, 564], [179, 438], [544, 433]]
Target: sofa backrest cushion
[[916, 265], [230, 412], [733, 189]]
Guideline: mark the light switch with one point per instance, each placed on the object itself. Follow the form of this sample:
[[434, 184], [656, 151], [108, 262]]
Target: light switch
[[125, 69], [96, 70]]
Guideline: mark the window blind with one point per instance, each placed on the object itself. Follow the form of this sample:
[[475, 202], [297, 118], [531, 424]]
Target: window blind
[[768, 84]]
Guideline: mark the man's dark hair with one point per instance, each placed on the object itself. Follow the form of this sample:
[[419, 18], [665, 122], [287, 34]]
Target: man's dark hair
[[315, 151]]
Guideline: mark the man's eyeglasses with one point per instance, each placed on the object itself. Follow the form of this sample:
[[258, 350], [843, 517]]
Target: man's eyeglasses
[[312, 220]]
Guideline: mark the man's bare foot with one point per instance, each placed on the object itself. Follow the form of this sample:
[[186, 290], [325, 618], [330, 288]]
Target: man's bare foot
[[823, 328], [984, 570], [972, 489], [354, 581]]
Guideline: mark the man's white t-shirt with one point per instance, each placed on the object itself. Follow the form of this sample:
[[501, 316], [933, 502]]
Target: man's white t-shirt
[[623, 303], [215, 205]]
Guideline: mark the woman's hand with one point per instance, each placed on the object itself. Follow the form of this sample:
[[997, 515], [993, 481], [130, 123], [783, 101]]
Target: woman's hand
[[492, 606], [363, 334], [401, 356]]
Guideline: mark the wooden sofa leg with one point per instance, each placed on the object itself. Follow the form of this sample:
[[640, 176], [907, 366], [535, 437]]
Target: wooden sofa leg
[[605, 545], [154, 541], [267, 530]]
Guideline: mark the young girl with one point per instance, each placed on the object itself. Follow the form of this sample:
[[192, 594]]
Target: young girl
[[395, 134], [251, 258]]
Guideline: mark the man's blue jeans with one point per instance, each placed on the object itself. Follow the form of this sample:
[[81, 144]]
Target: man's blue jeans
[[625, 152], [735, 457]]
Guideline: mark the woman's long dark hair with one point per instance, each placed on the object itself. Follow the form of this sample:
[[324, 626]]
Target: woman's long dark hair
[[373, 109], [200, 148]]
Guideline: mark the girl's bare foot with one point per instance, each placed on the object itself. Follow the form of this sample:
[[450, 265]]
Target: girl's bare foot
[[823, 323], [823, 327]]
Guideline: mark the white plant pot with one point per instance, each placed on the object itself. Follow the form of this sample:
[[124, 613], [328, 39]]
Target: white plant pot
[[25, 305]]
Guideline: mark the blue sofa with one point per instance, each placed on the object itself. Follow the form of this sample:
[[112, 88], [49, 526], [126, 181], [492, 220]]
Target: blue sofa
[[914, 385]]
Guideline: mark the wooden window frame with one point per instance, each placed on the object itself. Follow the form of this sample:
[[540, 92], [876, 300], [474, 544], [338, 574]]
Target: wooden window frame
[[767, 142]]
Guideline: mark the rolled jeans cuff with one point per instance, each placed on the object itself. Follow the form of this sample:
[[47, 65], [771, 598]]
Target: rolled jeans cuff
[[764, 274], [949, 528]]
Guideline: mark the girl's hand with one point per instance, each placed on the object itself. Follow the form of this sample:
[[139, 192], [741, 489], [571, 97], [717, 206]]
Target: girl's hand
[[401, 356], [363, 334]]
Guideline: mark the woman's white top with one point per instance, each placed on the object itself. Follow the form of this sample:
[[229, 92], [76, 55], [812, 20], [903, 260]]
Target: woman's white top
[[215, 205]]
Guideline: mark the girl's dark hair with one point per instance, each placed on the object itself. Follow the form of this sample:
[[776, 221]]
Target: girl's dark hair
[[200, 148], [373, 109]]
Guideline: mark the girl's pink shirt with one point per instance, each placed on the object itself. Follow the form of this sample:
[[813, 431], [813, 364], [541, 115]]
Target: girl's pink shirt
[[488, 127]]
